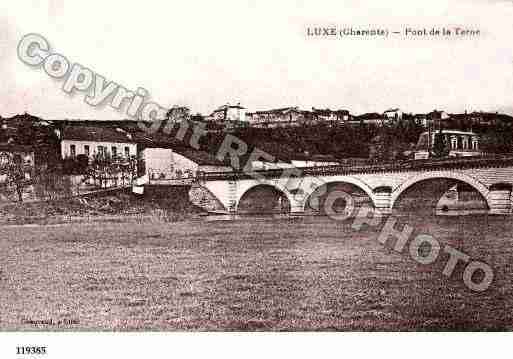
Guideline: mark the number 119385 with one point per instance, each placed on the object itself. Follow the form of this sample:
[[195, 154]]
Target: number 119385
[[30, 350]]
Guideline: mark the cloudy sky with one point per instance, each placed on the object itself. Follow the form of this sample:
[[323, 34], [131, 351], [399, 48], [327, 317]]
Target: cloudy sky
[[206, 53]]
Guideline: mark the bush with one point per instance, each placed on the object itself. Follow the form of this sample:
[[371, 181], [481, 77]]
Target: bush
[[75, 165]]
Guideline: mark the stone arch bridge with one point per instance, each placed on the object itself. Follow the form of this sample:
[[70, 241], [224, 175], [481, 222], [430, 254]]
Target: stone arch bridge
[[384, 187]]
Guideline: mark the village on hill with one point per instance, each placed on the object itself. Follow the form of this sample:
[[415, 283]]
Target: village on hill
[[56, 158]]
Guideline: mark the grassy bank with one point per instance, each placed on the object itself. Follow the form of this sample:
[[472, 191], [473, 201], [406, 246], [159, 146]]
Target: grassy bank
[[163, 204]]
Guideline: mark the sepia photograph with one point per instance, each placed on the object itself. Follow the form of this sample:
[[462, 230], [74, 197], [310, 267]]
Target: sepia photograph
[[182, 167]]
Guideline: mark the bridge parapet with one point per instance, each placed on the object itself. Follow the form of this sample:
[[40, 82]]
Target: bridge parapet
[[383, 184], [330, 170]]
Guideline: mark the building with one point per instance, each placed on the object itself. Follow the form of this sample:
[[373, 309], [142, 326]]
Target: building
[[436, 119], [485, 119], [297, 161], [228, 114], [421, 119], [96, 140], [164, 164], [393, 115], [459, 143], [314, 161], [368, 118], [330, 116], [279, 117]]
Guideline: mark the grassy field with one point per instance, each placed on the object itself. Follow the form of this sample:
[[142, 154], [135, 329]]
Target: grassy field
[[250, 274]]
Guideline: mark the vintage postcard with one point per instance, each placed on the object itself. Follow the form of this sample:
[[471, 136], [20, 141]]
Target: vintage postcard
[[249, 166]]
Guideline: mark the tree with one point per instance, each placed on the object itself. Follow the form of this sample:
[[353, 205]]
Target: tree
[[99, 169], [380, 148], [18, 173], [103, 168], [129, 169], [178, 114], [75, 165], [497, 140], [440, 145]]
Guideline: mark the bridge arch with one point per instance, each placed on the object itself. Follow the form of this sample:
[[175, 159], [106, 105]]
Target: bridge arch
[[263, 194], [342, 180], [457, 176]]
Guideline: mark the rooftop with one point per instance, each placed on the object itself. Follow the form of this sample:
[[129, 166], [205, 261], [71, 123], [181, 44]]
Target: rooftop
[[369, 116], [227, 106], [200, 157], [97, 134], [279, 110], [16, 148], [453, 132]]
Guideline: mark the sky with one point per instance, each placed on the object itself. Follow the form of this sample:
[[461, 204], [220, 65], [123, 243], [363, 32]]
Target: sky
[[204, 54]]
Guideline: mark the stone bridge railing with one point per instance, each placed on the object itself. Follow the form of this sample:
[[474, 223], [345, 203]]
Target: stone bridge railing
[[401, 166]]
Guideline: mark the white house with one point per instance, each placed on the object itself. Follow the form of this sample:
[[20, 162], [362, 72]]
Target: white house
[[228, 113], [279, 117], [460, 143], [96, 140], [175, 164], [393, 114]]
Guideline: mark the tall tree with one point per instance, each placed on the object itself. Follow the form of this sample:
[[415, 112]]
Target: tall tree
[[17, 173], [440, 145]]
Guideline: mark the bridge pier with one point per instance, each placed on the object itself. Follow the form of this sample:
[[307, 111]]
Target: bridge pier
[[382, 199], [232, 196], [499, 198], [297, 208], [297, 203]]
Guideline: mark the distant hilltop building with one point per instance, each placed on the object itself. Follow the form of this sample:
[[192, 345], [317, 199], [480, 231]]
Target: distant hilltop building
[[368, 118], [228, 114], [436, 118], [330, 116], [232, 116], [459, 144], [393, 115], [279, 117], [481, 118], [293, 116], [420, 119]]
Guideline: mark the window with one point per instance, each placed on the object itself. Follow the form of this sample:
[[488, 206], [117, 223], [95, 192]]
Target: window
[[454, 142], [127, 151], [72, 150], [101, 151], [87, 151], [114, 151]]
